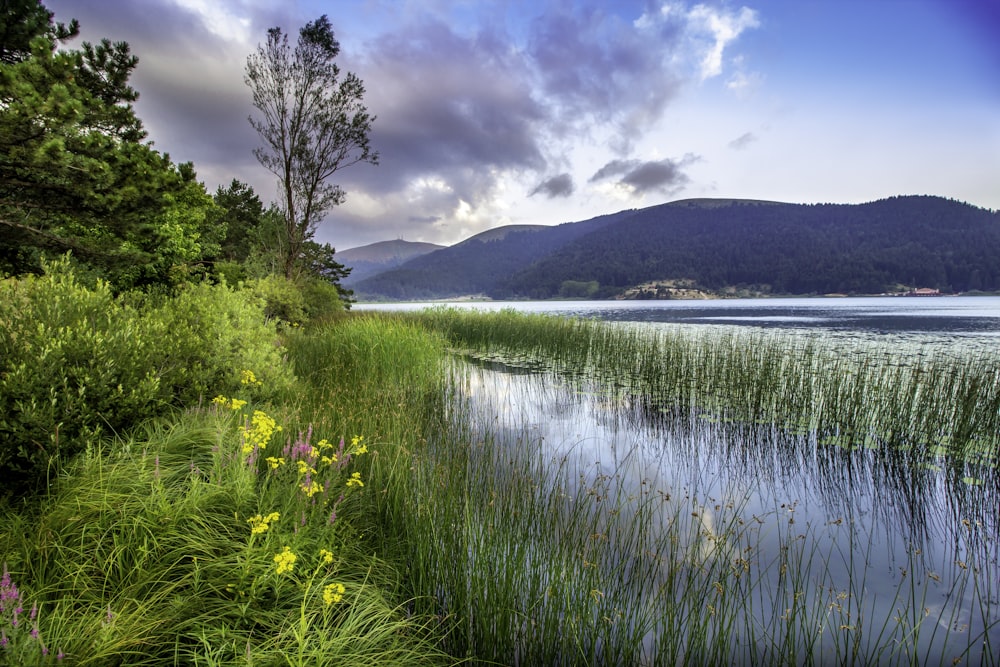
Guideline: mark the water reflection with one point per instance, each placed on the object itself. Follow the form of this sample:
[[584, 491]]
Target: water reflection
[[877, 529]]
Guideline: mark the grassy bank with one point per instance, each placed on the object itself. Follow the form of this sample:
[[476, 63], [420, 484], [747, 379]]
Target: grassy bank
[[247, 527], [384, 524]]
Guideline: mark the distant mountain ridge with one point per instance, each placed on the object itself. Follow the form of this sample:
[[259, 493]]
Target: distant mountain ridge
[[375, 258], [720, 246]]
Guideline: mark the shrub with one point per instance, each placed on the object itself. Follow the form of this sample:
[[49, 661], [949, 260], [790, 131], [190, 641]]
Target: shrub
[[78, 362], [283, 299]]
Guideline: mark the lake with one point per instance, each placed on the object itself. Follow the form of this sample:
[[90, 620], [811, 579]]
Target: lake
[[890, 550]]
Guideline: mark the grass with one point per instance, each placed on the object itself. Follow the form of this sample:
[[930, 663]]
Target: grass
[[465, 544]]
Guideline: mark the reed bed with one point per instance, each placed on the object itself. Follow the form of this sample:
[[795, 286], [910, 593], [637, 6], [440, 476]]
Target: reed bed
[[862, 394], [530, 562]]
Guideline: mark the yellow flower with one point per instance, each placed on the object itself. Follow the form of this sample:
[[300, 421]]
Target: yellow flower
[[285, 561], [305, 468], [333, 593], [326, 556], [329, 460], [311, 489], [259, 524], [260, 431], [248, 378], [275, 461], [358, 445], [355, 480], [231, 403]]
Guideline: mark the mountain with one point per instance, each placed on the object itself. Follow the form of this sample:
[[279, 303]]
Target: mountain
[[375, 258], [721, 245], [479, 264]]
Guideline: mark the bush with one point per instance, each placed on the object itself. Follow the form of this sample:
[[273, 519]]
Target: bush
[[78, 363], [283, 300]]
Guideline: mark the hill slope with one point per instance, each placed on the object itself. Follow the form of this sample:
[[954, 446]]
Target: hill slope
[[479, 264], [375, 258], [716, 244], [784, 248]]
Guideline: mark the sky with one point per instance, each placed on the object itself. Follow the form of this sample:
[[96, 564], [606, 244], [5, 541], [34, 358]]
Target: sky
[[552, 111]]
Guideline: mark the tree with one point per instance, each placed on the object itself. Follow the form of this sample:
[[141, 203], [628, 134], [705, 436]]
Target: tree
[[74, 173], [312, 123]]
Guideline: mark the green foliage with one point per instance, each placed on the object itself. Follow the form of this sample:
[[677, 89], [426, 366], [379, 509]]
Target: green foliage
[[283, 300], [578, 289], [78, 362], [174, 547], [75, 175]]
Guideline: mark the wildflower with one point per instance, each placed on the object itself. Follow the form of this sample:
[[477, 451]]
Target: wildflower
[[358, 445], [275, 461], [333, 593], [231, 403], [305, 468], [355, 480], [258, 434], [285, 561], [310, 488], [326, 556], [259, 524], [248, 378]]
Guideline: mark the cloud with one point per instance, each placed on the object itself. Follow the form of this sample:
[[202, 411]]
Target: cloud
[[702, 33], [639, 177], [475, 107], [594, 68], [557, 186], [742, 141]]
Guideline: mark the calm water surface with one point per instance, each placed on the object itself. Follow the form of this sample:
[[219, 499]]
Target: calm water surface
[[953, 316]]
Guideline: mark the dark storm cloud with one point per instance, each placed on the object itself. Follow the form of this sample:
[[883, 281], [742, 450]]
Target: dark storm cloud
[[447, 103], [557, 186], [192, 99], [454, 114], [641, 177], [597, 67], [743, 141]]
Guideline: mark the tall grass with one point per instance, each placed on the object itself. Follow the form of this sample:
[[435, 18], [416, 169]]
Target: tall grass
[[213, 538], [464, 544], [531, 563], [854, 394]]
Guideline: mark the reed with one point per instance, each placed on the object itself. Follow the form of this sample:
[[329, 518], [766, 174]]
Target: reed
[[533, 564]]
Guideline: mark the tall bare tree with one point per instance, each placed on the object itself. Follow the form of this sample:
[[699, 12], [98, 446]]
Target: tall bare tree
[[312, 122]]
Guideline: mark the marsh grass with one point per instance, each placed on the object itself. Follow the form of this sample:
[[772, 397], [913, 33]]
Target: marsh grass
[[532, 563], [466, 544], [145, 552]]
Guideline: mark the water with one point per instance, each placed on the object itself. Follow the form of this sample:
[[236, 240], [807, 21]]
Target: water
[[952, 316], [889, 548]]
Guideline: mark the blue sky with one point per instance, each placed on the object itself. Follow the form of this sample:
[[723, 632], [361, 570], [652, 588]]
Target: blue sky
[[550, 111]]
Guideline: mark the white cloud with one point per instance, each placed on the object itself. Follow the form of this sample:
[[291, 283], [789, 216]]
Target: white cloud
[[220, 20], [722, 27]]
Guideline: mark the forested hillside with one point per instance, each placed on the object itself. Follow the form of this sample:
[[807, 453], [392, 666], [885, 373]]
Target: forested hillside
[[764, 247], [479, 264], [785, 249]]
